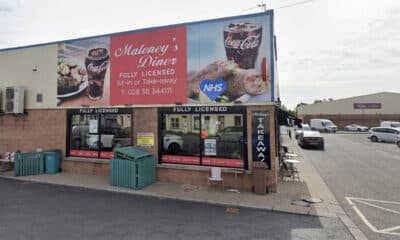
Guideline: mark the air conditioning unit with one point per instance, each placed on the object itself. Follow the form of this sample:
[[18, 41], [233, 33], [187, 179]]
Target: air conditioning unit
[[14, 100]]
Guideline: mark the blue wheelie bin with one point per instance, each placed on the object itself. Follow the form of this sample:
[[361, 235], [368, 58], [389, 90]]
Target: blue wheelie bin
[[52, 161]]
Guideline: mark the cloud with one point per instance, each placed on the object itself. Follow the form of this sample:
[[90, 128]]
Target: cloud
[[395, 11], [9, 6]]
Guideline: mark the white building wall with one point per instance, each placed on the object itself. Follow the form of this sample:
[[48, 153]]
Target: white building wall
[[17, 69]]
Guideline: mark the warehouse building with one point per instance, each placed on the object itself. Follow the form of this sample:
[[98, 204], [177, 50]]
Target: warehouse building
[[368, 110]]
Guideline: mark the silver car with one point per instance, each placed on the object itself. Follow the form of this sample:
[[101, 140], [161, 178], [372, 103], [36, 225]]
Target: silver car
[[356, 127], [304, 127], [384, 134]]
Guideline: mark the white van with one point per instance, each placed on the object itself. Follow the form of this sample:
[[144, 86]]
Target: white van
[[392, 124], [323, 125]]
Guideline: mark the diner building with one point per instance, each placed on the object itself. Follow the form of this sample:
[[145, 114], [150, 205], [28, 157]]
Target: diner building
[[195, 95]]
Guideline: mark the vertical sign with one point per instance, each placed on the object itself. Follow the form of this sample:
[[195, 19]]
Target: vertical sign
[[260, 137]]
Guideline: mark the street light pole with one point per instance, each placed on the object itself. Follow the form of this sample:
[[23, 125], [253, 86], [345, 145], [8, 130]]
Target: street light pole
[[263, 6]]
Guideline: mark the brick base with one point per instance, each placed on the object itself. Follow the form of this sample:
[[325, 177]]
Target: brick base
[[101, 169]]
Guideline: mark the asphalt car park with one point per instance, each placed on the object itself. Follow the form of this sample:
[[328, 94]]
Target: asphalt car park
[[364, 177]]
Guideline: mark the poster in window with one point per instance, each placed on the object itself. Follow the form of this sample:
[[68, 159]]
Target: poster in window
[[210, 147], [93, 126]]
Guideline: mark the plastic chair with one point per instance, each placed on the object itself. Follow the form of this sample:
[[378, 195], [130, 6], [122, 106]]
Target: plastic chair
[[216, 176]]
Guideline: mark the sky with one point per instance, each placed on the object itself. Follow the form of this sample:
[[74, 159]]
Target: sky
[[326, 48]]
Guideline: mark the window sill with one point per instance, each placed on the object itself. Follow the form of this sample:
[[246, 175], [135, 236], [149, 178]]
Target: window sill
[[195, 167], [88, 160]]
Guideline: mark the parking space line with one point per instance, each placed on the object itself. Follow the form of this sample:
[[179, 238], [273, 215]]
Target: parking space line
[[375, 206], [390, 230]]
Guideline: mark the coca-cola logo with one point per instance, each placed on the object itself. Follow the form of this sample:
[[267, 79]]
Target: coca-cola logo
[[247, 43], [97, 68]]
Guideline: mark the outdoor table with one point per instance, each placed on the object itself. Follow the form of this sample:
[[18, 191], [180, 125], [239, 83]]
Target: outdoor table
[[292, 169]]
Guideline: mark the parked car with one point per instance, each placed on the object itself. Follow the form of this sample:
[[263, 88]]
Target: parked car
[[172, 143], [311, 139], [323, 125], [384, 134], [106, 141], [304, 127], [230, 134], [392, 124], [356, 127]]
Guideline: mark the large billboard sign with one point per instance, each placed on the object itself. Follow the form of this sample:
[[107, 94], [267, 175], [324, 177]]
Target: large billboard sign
[[218, 61]]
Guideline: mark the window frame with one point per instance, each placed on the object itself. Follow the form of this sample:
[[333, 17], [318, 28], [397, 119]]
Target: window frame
[[195, 111], [98, 112]]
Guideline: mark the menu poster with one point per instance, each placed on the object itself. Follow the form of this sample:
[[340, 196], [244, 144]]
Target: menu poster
[[210, 147], [93, 126], [149, 67]]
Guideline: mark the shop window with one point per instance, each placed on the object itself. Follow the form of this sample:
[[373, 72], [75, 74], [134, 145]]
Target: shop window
[[204, 139], [96, 134]]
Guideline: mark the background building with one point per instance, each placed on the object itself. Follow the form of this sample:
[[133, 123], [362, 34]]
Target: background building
[[368, 110]]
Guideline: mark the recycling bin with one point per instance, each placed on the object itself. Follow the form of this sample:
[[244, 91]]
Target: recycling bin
[[132, 168], [52, 161], [31, 163]]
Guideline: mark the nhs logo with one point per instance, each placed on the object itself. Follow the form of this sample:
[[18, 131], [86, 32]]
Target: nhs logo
[[213, 89]]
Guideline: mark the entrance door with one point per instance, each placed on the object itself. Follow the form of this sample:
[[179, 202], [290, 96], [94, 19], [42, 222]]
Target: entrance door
[[224, 143]]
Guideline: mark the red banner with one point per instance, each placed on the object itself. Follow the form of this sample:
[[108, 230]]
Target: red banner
[[149, 67], [180, 159], [84, 153], [107, 155], [223, 162]]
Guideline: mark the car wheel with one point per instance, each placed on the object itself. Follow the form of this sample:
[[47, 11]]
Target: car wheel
[[173, 148], [374, 139], [398, 144], [358, 129]]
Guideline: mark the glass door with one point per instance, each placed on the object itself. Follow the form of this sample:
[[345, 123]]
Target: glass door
[[222, 140]]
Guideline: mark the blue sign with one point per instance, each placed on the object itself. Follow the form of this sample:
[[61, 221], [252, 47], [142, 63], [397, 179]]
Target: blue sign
[[213, 89]]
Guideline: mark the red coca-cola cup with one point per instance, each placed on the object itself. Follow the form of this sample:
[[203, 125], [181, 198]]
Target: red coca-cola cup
[[96, 63], [242, 41]]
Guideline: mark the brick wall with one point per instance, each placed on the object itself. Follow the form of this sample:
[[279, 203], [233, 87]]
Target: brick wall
[[101, 169], [43, 128], [146, 120], [200, 177]]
